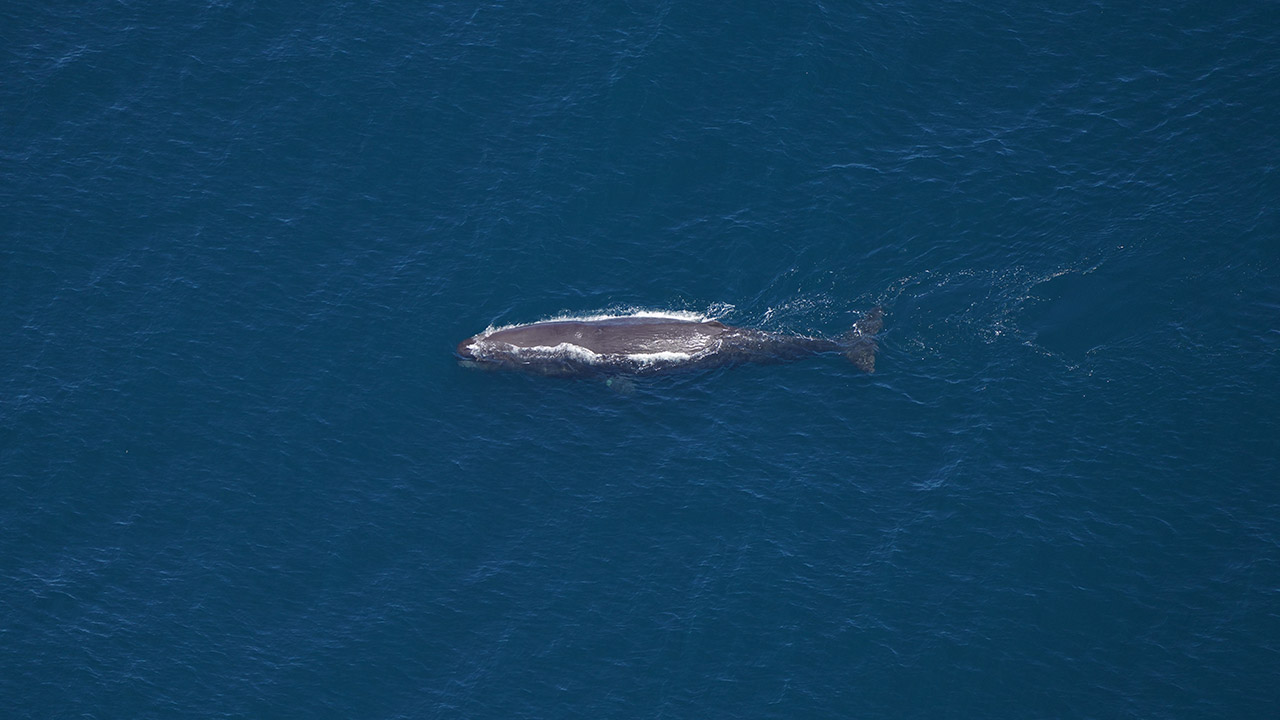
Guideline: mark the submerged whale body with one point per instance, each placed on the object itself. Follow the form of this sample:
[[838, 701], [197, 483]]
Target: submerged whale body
[[642, 345]]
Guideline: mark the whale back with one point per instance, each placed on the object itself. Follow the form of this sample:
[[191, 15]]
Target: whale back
[[615, 336]]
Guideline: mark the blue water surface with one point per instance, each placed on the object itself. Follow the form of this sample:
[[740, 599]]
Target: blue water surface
[[242, 474]]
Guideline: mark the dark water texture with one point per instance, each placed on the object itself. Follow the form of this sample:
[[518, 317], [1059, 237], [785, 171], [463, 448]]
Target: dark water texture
[[241, 474]]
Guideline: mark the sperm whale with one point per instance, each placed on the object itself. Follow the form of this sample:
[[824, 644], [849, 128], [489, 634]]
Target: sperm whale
[[650, 344]]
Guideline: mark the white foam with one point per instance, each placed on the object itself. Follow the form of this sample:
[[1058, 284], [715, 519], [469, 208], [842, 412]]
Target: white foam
[[659, 357], [714, 312], [563, 350], [577, 352]]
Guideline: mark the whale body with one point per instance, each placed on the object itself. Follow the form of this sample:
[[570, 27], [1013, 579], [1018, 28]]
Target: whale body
[[647, 344]]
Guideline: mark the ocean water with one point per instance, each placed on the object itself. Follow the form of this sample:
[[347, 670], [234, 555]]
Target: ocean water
[[242, 475]]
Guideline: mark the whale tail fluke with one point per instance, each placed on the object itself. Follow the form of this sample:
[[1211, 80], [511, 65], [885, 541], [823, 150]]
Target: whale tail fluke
[[860, 344]]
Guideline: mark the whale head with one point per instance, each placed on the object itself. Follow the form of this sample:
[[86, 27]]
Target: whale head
[[465, 350]]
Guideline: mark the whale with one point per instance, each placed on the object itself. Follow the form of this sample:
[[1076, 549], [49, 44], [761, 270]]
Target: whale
[[654, 344]]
